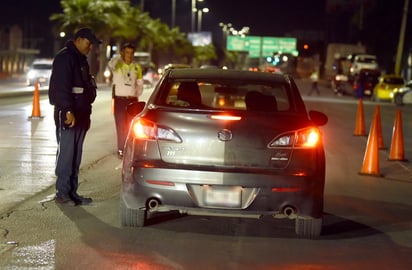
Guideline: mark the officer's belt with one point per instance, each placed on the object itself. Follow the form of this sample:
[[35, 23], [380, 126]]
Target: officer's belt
[[77, 90]]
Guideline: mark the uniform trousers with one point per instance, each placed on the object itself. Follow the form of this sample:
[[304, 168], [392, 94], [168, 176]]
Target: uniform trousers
[[122, 119], [69, 155]]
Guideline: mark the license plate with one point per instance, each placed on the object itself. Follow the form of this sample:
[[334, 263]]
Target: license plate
[[228, 197]]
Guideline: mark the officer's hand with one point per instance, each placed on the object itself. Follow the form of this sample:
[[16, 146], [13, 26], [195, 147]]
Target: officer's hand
[[70, 119]]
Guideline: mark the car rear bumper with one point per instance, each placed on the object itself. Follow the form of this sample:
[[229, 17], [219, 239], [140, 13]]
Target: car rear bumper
[[223, 193]]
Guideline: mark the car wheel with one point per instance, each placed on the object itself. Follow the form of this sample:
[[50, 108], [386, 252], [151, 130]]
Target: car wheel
[[131, 217], [398, 100], [308, 227]]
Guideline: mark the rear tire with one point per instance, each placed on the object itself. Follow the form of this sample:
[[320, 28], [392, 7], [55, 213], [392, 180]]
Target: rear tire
[[308, 227], [131, 217]]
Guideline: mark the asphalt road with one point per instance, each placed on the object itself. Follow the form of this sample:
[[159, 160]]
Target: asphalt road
[[367, 222]]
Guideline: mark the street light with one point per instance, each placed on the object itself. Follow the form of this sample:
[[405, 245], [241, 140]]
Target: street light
[[192, 11], [228, 29], [199, 18], [225, 30]]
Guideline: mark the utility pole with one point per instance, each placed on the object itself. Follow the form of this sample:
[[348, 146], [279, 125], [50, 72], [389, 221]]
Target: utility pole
[[173, 14], [401, 39], [192, 13]]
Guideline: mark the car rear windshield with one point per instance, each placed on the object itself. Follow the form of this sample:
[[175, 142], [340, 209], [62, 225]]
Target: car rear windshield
[[41, 66], [367, 60], [206, 94]]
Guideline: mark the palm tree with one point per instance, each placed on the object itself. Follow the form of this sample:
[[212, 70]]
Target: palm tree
[[119, 21], [103, 16]]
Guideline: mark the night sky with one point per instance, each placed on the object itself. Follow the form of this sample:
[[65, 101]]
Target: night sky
[[263, 17]]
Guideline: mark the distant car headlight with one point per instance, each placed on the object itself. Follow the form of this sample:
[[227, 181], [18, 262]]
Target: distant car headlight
[[341, 77], [31, 74], [107, 73], [399, 90]]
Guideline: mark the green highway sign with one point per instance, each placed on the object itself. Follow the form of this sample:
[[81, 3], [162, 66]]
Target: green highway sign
[[235, 43], [262, 46], [253, 45], [274, 44]]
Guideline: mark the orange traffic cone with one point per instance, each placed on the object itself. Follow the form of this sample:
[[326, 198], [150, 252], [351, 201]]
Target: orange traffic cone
[[377, 118], [397, 147], [370, 164], [36, 101], [360, 121]]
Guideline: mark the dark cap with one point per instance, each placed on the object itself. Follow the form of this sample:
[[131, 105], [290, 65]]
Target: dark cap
[[87, 33]]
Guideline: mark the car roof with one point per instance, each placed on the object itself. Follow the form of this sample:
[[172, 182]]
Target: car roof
[[364, 55], [231, 74]]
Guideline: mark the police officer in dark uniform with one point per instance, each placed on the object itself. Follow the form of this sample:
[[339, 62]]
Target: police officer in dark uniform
[[72, 91]]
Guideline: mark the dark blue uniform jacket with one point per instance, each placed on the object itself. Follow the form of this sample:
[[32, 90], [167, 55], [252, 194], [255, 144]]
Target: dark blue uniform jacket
[[71, 88]]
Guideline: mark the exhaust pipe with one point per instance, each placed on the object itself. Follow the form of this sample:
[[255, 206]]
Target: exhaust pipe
[[289, 211], [153, 203]]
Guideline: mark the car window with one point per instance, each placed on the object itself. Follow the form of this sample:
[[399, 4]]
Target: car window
[[368, 60], [394, 80], [227, 95]]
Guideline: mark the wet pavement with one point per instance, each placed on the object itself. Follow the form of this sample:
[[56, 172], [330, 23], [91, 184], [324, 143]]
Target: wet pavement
[[28, 144], [17, 87]]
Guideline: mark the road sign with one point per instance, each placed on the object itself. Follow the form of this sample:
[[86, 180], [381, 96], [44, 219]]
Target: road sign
[[235, 43], [262, 46], [253, 45], [275, 44]]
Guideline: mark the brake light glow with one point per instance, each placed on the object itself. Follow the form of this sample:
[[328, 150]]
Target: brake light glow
[[161, 183], [147, 130], [225, 117], [306, 138], [144, 129], [221, 101]]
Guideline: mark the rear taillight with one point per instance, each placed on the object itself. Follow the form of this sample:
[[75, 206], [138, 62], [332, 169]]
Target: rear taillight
[[148, 130], [225, 117], [309, 137], [304, 138]]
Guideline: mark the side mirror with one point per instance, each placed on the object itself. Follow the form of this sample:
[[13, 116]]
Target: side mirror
[[134, 108], [318, 118]]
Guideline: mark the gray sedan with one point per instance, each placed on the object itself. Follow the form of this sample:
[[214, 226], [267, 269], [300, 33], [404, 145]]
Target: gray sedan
[[228, 143]]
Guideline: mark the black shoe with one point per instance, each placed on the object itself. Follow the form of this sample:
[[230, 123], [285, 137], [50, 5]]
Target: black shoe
[[63, 199], [80, 200], [120, 154]]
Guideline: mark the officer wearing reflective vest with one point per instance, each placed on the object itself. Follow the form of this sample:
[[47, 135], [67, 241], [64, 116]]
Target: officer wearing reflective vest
[[72, 91], [127, 87]]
